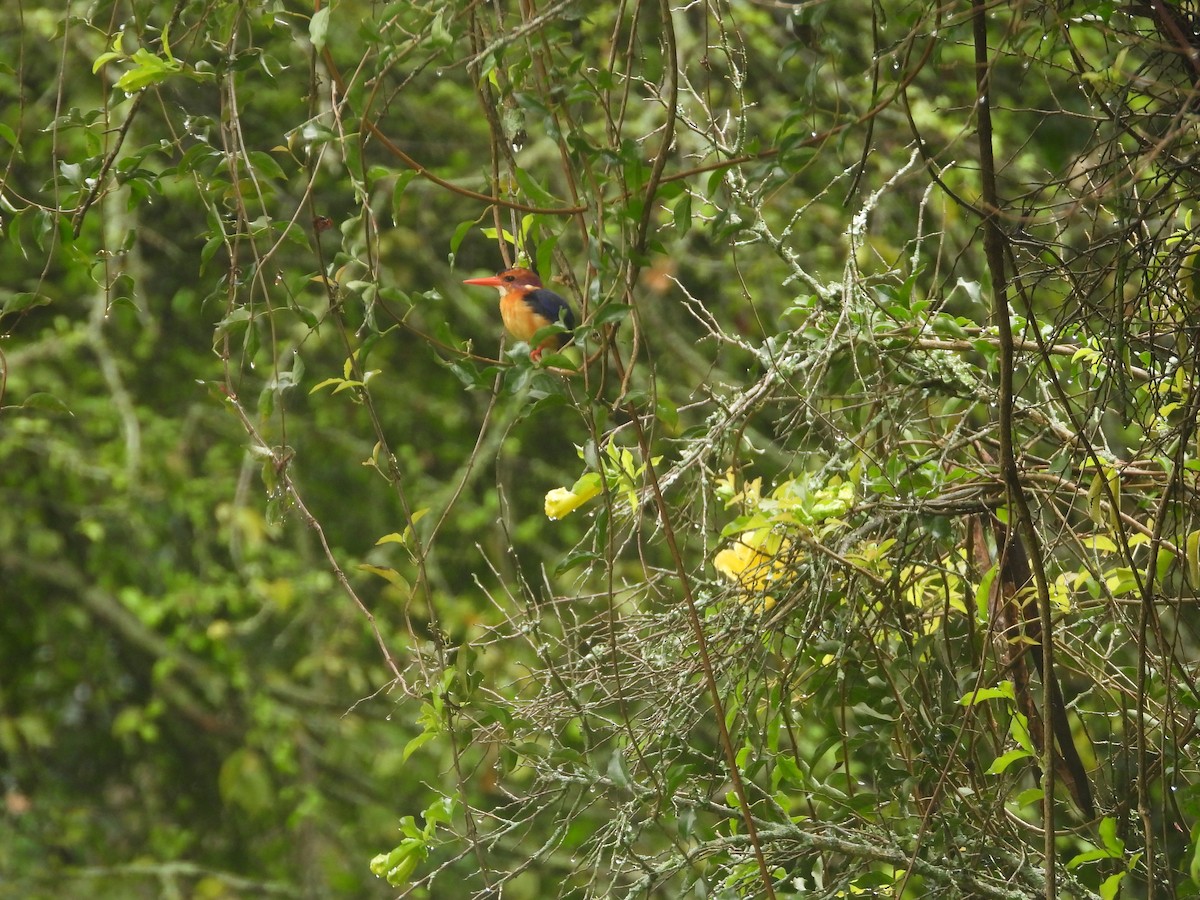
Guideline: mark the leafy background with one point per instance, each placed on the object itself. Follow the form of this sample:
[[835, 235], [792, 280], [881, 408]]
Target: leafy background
[[314, 586]]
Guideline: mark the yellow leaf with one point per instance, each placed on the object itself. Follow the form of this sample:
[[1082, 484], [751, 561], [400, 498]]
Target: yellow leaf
[[1192, 552], [1100, 543], [387, 574], [1095, 509]]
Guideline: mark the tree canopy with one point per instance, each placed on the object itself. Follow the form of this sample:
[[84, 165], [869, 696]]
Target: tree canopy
[[852, 546]]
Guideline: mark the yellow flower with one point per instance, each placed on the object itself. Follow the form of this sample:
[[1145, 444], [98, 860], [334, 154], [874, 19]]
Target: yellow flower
[[562, 502], [753, 561]]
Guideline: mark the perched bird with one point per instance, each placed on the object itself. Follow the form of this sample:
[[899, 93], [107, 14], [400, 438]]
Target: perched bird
[[526, 307]]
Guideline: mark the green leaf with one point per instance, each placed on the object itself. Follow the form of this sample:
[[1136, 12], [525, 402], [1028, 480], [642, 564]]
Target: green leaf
[[439, 812], [24, 300], [668, 414], [318, 27], [417, 743], [1003, 691], [617, 770], [538, 194], [211, 246], [1088, 856], [865, 711], [104, 59], [1194, 864], [326, 383], [41, 400], [1111, 886], [611, 313], [682, 213], [1018, 729], [577, 558], [403, 180], [786, 771], [148, 70], [983, 593], [267, 165], [545, 254], [460, 232], [1002, 762], [1108, 836], [1028, 796]]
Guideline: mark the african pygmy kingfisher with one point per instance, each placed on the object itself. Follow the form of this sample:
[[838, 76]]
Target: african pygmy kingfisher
[[526, 307]]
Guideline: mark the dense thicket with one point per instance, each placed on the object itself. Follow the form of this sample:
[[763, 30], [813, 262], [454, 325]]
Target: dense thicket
[[852, 548]]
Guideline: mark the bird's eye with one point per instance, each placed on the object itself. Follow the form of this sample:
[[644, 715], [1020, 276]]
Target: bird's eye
[[508, 277]]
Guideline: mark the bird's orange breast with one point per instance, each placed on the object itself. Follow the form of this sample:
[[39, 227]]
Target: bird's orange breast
[[521, 321]]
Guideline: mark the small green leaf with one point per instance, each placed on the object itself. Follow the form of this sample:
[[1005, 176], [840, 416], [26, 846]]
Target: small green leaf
[[210, 248], [416, 744], [439, 812], [983, 593], [460, 232], [44, 401], [533, 190], [1002, 762], [682, 213], [787, 771], [545, 254], [326, 383], [25, 300], [1088, 856], [1111, 886], [1029, 795], [617, 771], [1003, 691], [1108, 836], [104, 59], [267, 165], [668, 414], [318, 27], [403, 180], [972, 289], [1018, 728], [611, 313], [148, 70], [571, 560]]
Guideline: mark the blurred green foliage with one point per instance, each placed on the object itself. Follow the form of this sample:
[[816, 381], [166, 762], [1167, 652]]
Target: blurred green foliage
[[314, 586]]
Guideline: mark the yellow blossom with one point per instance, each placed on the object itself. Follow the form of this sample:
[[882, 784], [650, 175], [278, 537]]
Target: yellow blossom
[[753, 561], [561, 502]]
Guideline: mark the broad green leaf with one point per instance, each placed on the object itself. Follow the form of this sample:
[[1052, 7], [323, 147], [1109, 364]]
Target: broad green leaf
[[318, 27], [1002, 762], [1003, 691]]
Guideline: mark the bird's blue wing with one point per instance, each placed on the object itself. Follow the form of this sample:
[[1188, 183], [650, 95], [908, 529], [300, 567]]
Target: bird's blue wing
[[553, 308]]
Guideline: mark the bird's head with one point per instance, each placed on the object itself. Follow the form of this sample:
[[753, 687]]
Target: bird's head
[[518, 279]]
